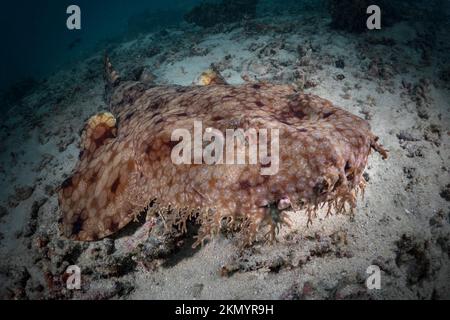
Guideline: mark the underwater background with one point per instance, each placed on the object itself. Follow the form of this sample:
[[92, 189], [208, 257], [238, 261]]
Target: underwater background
[[396, 78], [36, 40]]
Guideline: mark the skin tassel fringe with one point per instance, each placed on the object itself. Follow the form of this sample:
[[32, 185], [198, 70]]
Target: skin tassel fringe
[[252, 228]]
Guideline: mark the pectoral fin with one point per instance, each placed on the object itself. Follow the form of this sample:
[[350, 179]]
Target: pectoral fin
[[97, 131]]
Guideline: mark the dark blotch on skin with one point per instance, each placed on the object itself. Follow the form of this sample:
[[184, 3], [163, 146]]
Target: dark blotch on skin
[[181, 89], [171, 144], [129, 115], [244, 185], [67, 183], [283, 120], [217, 118], [298, 113], [321, 187], [347, 166], [114, 226], [107, 135], [155, 115], [115, 185], [227, 97], [93, 178], [350, 175], [154, 105], [327, 114], [78, 225]]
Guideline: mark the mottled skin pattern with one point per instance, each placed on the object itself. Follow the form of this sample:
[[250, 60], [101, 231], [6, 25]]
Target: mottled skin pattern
[[323, 153]]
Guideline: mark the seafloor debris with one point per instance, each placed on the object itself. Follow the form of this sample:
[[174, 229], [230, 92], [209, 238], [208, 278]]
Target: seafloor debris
[[421, 95], [102, 290], [210, 14], [18, 91], [125, 164], [445, 192], [16, 279], [413, 256], [296, 251], [379, 69], [404, 135], [3, 212], [31, 227], [433, 134], [21, 194]]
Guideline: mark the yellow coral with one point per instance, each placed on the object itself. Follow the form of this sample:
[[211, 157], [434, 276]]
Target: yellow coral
[[210, 77]]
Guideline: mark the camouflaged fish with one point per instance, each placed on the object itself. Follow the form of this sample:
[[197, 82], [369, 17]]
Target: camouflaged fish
[[125, 165]]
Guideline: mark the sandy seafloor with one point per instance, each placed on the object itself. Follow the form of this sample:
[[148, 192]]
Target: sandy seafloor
[[393, 78]]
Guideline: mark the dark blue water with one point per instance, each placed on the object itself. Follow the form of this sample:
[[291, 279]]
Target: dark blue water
[[36, 42]]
